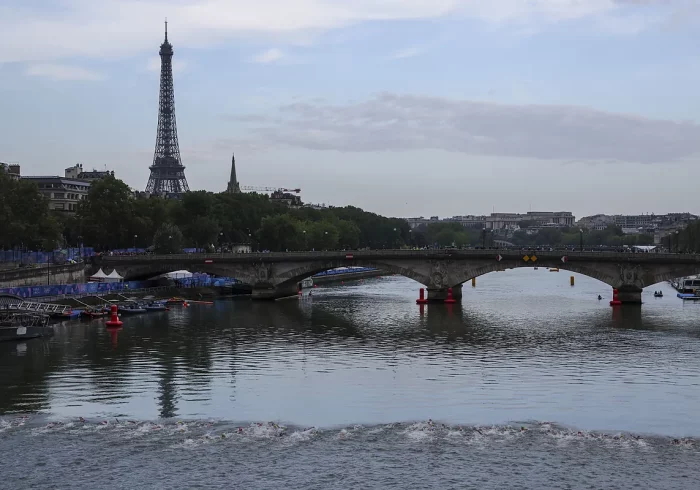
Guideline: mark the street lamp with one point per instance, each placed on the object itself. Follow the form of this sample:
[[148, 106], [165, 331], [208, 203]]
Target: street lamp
[[304, 232], [221, 242], [135, 237], [581, 241], [677, 244]]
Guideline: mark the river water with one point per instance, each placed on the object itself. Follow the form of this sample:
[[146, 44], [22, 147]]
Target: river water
[[529, 383]]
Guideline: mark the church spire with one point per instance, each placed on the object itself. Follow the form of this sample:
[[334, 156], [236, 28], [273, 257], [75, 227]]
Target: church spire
[[233, 186]]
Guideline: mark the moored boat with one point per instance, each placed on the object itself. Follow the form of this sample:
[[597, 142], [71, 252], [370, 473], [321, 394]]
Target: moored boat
[[22, 326], [156, 307], [132, 310], [175, 301], [91, 313]]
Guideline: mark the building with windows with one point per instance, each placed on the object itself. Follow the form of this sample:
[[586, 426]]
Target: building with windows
[[596, 222], [63, 194], [77, 172], [470, 221], [11, 169], [634, 220], [512, 221], [416, 222]]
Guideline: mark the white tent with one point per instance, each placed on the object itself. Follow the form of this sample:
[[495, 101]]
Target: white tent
[[178, 275], [114, 277], [100, 276]]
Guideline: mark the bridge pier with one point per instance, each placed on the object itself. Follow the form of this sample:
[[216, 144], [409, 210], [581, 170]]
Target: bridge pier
[[267, 292], [439, 295], [630, 295]]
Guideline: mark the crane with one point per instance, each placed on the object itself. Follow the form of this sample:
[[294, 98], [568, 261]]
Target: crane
[[268, 189]]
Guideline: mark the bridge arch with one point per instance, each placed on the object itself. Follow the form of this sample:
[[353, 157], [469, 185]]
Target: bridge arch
[[593, 272], [298, 274]]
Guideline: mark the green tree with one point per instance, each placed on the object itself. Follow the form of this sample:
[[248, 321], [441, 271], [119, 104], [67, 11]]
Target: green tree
[[280, 233], [322, 235], [106, 215], [348, 234], [167, 239], [202, 232], [25, 219]]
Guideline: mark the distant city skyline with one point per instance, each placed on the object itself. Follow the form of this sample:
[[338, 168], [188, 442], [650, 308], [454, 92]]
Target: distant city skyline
[[446, 107]]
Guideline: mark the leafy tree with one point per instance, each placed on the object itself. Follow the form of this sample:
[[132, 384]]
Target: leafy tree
[[106, 215], [202, 232], [167, 239], [322, 235], [348, 234], [279, 233], [25, 219]]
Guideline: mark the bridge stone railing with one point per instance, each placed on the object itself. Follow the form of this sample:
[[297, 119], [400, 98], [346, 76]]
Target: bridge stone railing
[[507, 254]]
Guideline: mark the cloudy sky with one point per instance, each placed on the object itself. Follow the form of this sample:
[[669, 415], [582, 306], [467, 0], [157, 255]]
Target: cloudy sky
[[402, 107]]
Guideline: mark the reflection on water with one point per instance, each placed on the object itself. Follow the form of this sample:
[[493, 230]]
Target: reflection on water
[[522, 346]]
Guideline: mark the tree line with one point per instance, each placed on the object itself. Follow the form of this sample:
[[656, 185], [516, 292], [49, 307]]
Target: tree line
[[612, 236], [111, 218], [686, 240]]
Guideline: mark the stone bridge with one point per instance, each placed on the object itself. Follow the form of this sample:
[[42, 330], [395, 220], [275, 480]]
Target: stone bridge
[[275, 275]]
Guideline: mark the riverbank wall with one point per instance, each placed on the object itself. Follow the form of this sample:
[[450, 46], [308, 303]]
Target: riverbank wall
[[40, 276]]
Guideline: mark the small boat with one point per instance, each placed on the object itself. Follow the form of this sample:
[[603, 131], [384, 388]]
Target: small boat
[[175, 301], [554, 270], [21, 326], [132, 310], [93, 313], [156, 307], [64, 315], [691, 296]]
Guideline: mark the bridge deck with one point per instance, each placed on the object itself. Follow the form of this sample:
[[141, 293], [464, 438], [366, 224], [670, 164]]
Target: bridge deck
[[506, 254]]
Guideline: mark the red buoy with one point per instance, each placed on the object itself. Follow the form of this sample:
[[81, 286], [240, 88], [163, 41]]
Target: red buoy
[[616, 300], [450, 300], [114, 321], [421, 297]]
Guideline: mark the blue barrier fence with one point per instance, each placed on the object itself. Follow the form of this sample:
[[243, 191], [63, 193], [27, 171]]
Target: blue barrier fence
[[60, 255], [196, 280], [204, 281], [61, 289]]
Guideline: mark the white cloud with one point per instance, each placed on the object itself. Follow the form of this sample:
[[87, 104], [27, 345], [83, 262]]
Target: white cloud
[[110, 28], [63, 72], [408, 53], [391, 122], [269, 56], [154, 64]]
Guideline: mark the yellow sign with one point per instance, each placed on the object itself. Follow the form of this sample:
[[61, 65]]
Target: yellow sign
[[533, 258], [526, 258]]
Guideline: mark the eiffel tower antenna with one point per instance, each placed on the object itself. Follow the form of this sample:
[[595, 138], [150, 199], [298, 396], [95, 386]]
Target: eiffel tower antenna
[[167, 172]]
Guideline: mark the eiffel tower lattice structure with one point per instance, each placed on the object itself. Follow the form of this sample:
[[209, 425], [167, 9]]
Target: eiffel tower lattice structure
[[167, 172]]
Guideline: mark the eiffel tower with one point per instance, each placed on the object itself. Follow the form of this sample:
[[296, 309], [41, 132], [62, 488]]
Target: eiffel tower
[[167, 172]]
